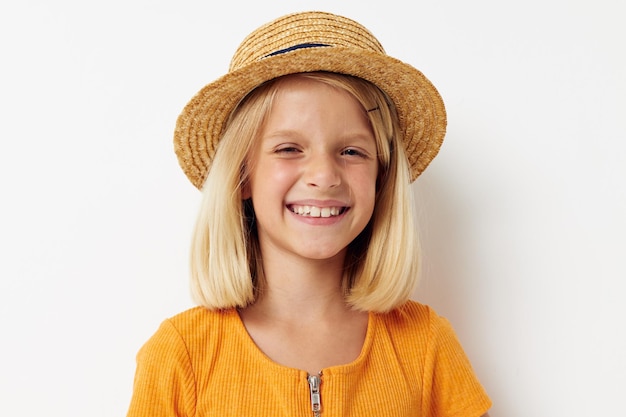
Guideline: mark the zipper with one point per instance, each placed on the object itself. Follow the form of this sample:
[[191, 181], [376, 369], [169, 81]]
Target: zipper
[[316, 398]]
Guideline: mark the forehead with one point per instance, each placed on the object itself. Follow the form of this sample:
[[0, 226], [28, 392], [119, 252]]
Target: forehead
[[315, 106]]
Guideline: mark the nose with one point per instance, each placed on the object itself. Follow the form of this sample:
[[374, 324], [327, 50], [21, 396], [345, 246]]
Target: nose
[[323, 171]]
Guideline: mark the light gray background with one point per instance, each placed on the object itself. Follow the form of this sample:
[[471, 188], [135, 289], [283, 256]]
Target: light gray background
[[522, 214]]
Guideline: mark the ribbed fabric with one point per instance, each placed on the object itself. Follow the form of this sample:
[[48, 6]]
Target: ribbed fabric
[[202, 363]]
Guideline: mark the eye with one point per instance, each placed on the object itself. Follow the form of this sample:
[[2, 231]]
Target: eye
[[354, 152], [286, 149]]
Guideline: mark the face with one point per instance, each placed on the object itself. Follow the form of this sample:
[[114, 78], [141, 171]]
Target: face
[[313, 172]]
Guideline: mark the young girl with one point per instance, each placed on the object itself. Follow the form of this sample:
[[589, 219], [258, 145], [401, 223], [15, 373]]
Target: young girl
[[305, 253]]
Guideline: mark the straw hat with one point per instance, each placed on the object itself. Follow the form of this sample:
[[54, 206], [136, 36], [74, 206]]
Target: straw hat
[[307, 42]]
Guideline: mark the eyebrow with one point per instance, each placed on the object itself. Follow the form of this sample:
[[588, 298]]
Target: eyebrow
[[361, 135]]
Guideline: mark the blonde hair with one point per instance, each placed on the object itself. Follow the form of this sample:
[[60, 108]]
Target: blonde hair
[[382, 264]]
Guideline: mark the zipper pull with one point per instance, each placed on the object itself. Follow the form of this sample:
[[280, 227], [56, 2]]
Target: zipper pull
[[316, 399]]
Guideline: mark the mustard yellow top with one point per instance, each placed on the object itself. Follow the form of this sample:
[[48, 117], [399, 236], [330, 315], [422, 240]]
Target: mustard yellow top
[[203, 363]]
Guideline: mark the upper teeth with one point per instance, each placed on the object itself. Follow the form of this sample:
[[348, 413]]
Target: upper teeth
[[314, 211]]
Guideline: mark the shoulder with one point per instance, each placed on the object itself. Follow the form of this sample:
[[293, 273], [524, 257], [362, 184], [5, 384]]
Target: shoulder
[[428, 344], [413, 316], [166, 376], [186, 334], [418, 327], [188, 322]]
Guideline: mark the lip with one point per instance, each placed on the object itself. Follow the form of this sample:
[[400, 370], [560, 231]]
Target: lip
[[318, 203]]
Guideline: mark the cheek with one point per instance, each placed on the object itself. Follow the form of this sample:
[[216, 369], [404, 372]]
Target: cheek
[[367, 179], [270, 178], [280, 174], [364, 188]]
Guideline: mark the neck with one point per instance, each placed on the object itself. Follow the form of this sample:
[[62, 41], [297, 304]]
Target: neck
[[296, 286]]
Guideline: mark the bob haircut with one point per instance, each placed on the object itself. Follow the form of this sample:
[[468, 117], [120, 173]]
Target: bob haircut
[[382, 263]]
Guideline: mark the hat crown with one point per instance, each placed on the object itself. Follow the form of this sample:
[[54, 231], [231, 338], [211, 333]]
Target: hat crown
[[302, 30]]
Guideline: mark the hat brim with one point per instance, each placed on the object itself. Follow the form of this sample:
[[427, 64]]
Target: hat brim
[[421, 111]]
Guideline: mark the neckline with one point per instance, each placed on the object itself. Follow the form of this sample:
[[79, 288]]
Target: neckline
[[251, 347]]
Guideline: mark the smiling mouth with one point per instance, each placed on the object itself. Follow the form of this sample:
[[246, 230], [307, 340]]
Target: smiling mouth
[[314, 211]]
